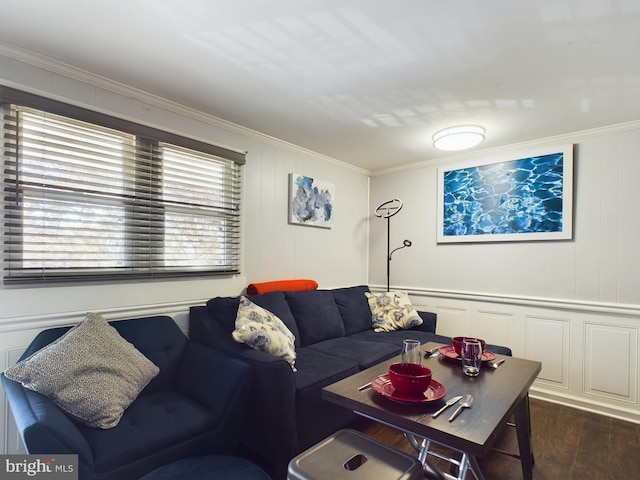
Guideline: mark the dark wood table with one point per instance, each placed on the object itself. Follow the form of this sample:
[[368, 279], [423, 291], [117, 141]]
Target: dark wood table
[[497, 395]]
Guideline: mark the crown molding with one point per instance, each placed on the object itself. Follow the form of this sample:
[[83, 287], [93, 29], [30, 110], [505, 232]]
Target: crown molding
[[69, 71], [104, 83], [574, 137]]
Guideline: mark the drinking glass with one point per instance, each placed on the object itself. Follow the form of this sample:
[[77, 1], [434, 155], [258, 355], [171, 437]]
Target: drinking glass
[[471, 357], [411, 352]]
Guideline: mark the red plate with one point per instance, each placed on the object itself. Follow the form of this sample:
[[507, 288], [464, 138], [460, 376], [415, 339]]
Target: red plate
[[382, 385], [449, 352]]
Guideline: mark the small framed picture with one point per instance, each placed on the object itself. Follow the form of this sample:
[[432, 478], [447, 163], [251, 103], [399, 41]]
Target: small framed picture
[[311, 202]]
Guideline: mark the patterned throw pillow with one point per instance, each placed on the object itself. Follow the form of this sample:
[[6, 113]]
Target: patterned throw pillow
[[90, 372], [262, 330], [392, 311]]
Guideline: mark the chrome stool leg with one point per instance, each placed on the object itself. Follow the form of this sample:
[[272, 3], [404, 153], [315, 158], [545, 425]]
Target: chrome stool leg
[[465, 464]]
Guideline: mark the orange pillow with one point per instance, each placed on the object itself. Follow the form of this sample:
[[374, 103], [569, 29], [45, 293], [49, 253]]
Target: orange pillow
[[282, 286]]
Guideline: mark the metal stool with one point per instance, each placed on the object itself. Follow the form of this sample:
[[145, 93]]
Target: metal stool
[[351, 455]]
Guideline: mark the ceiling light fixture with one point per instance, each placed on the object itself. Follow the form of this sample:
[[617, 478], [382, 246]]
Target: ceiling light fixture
[[459, 137]]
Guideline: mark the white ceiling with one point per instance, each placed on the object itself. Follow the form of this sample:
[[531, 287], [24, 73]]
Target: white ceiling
[[367, 82]]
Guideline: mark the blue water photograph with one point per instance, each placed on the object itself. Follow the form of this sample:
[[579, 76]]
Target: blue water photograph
[[521, 196]]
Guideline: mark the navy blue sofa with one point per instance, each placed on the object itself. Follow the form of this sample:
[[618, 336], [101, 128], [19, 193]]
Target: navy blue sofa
[[334, 339], [196, 405]]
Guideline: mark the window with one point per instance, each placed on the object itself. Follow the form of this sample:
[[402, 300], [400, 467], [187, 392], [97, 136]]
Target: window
[[88, 201]]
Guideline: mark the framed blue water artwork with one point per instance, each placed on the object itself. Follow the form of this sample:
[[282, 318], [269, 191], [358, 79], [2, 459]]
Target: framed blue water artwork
[[311, 202], [508, 198]]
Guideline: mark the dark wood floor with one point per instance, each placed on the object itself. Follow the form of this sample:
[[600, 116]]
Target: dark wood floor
[[568, 444]]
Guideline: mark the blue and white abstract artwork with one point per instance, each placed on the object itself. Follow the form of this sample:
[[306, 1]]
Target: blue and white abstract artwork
[[311, 202], [527, 198]]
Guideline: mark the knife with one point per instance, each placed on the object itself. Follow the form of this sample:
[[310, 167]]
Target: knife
[[431, 352], [450, 402], [364, 387]]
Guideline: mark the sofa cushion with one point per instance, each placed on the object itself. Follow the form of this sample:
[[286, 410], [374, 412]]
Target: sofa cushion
[[225, 309], [396, 337], [365, 353], [354, 308], [316, 314], [262, 330], [392, 311], [159, 339], [317, 370], [90, 372], [152, 423]]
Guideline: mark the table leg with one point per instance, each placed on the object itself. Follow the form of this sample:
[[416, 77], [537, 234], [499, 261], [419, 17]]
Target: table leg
[[523, 431], [475, 468]]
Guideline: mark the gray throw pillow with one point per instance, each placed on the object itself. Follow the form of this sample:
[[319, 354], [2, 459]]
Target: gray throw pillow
[[90, 372]]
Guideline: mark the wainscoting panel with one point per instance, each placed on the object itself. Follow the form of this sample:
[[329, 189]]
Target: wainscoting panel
[[588, 350], [14, 442], [548, 342], [454, 319], [494, 327], [617, 377]]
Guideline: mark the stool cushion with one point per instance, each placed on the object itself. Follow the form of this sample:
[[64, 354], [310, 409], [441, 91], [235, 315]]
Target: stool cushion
[[209, 467]]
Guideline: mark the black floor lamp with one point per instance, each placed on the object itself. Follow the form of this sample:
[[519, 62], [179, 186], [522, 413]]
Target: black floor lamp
[[387, 210]]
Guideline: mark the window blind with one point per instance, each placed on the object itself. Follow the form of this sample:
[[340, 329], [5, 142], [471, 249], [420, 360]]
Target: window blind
[[87, 202]]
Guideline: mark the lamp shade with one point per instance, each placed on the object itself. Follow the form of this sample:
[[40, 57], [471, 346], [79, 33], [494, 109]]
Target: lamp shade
[[459, 137]]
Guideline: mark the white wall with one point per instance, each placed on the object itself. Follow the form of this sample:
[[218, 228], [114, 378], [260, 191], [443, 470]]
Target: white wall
[[573, 305], [601, 263], [272, 248]]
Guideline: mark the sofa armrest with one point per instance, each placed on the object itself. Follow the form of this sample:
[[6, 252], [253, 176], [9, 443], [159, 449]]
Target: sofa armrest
[[272, 401], [43, 426], [429, 321]]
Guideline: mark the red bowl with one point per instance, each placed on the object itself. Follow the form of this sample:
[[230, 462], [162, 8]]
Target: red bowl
[[457, 343], [409, 378]]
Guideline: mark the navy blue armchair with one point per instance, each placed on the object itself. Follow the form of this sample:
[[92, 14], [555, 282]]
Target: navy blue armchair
[[194, 406]]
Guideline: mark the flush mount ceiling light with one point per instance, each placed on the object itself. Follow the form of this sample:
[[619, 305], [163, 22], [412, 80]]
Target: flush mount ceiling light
[[459, 137]]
